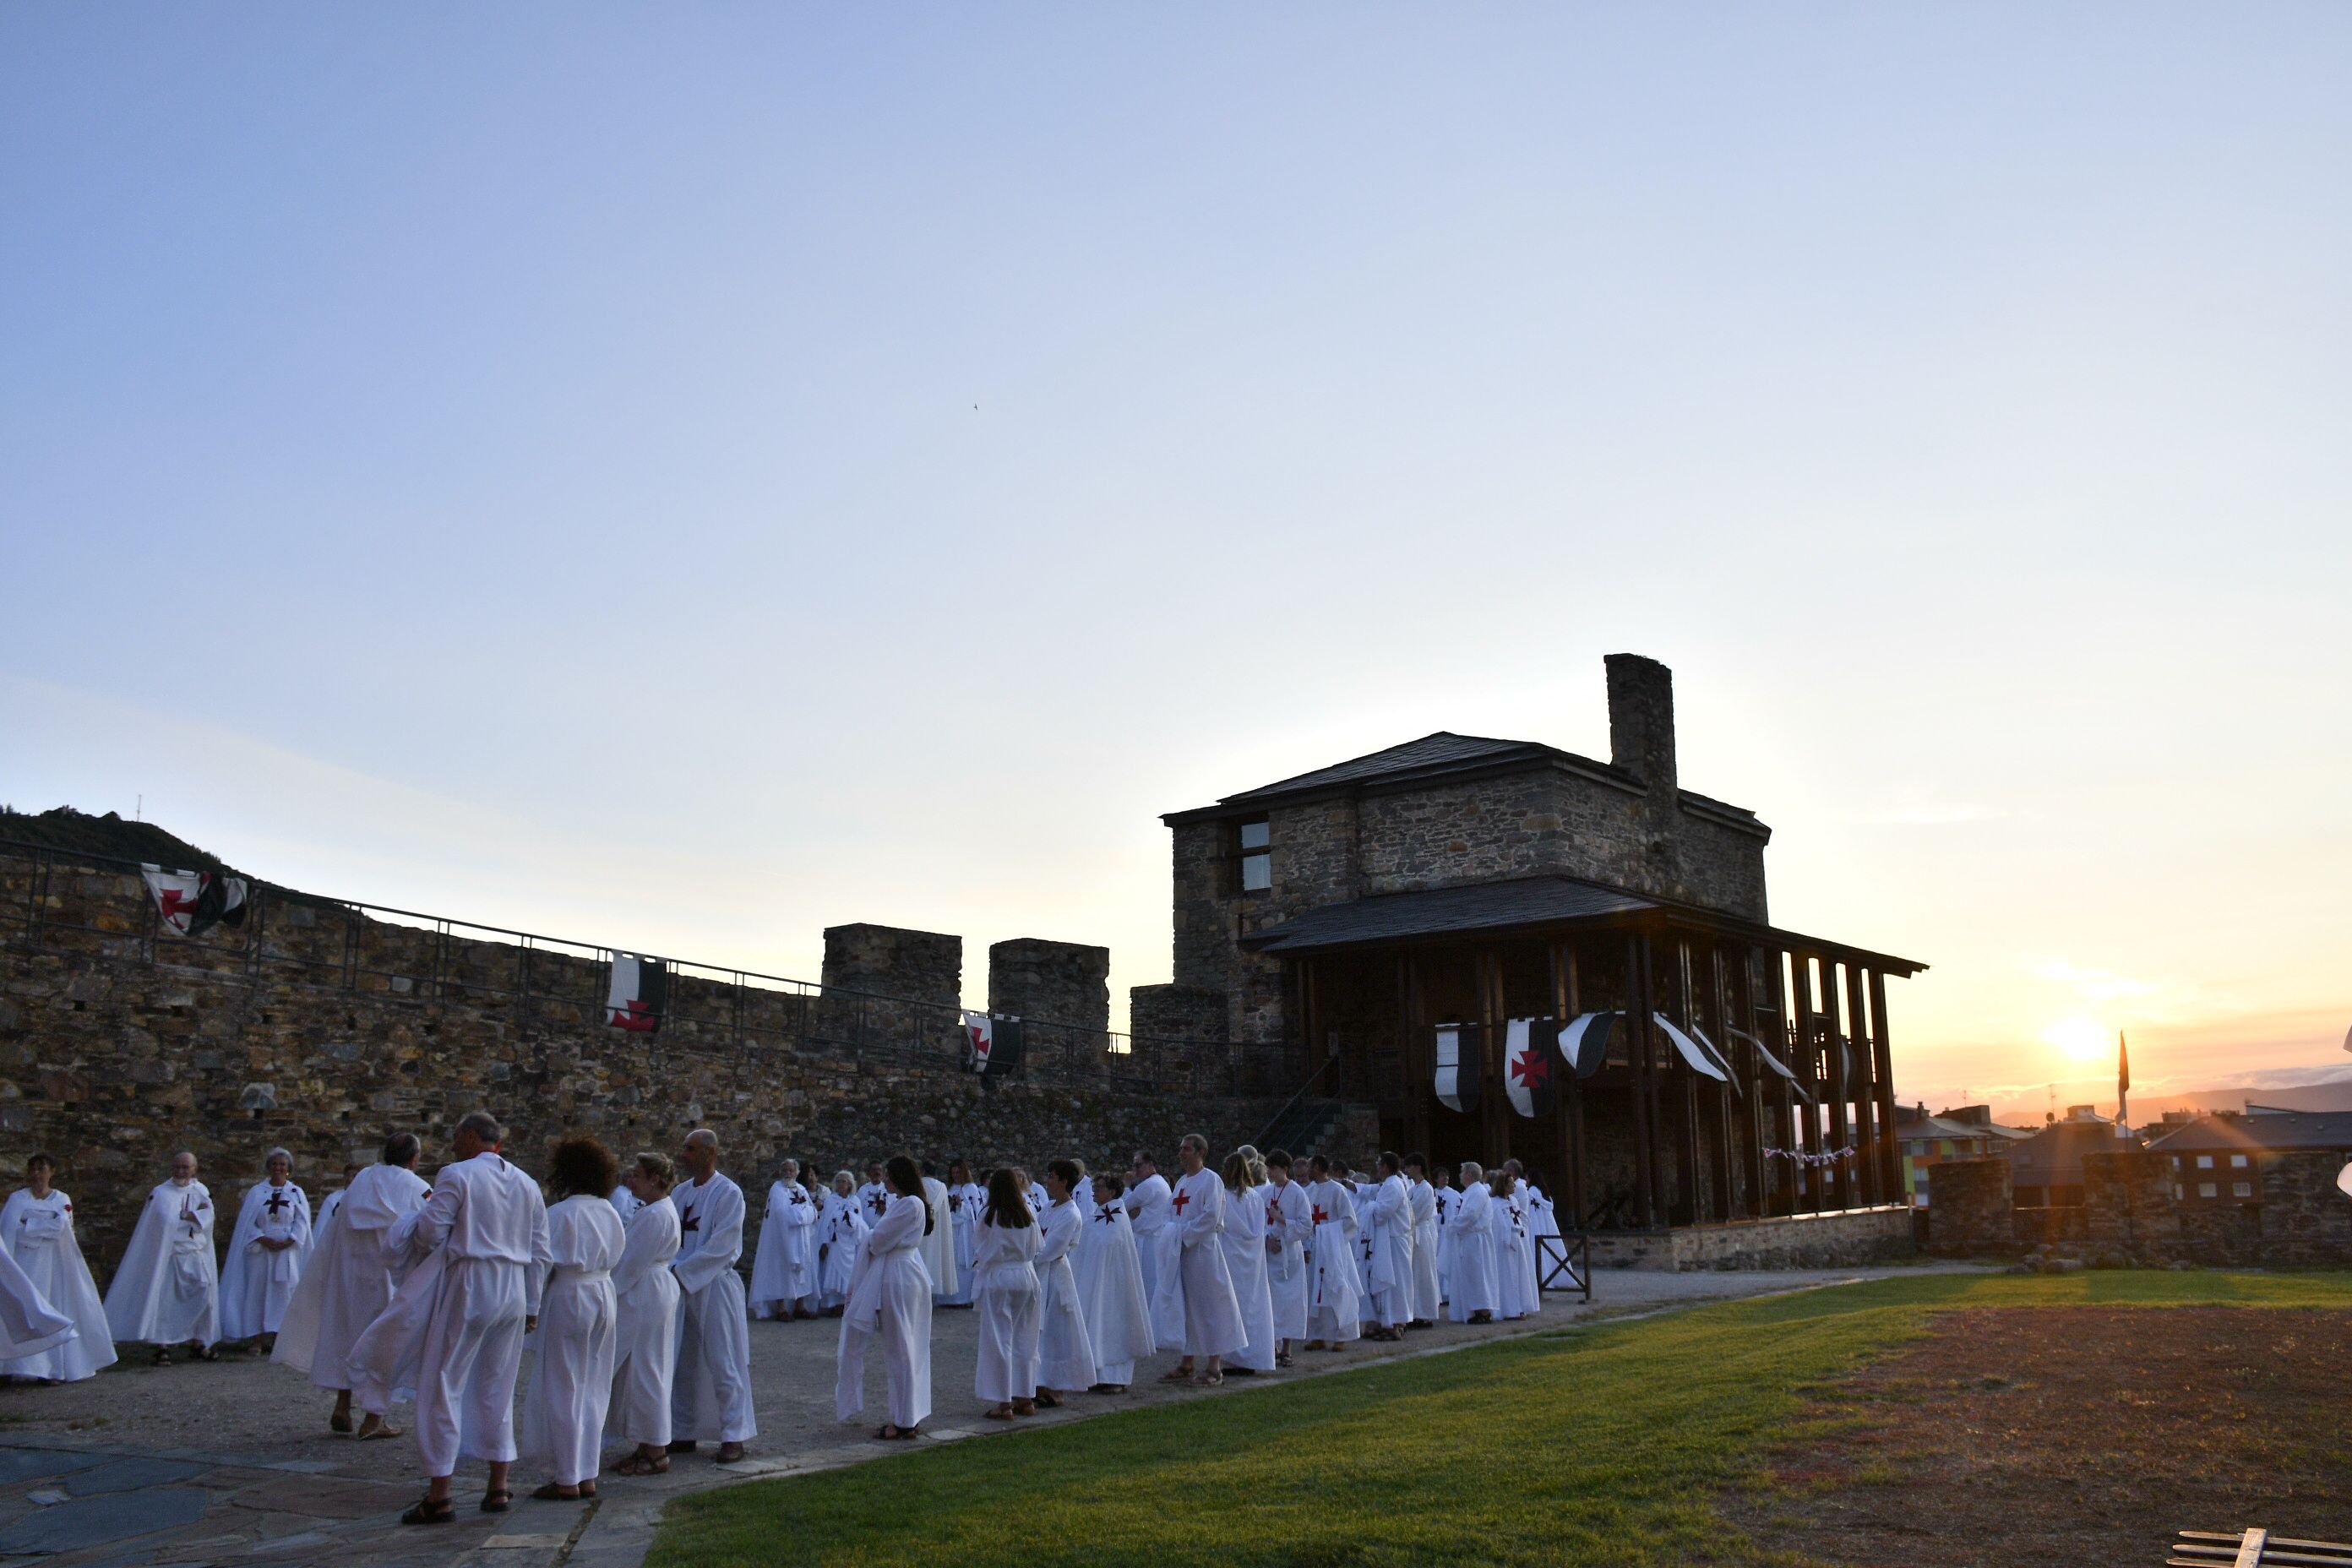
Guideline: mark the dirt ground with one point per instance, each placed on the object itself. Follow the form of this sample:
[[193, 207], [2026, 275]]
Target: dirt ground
[[2082, 1436]]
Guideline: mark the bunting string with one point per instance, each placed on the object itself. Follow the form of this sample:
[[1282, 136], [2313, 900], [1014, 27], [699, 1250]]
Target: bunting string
[[1827, 1157]]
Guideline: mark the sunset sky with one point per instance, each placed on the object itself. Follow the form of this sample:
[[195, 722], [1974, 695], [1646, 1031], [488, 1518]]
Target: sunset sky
[[685, 477]]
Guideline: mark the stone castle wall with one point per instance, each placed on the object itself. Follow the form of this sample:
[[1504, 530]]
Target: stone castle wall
[[320, 1031], [2129, 1214]]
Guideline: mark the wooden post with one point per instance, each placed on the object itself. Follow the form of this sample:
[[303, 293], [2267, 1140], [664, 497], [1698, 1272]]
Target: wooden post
[[1841, 1130], [1882, 1052], [1420, 1047], [1492, 1112], [1654, 1117], [1691, 1166], [1868, 1131], [1806, 1063], [1728, 1142], [1637, 1061], [1574, 1099]]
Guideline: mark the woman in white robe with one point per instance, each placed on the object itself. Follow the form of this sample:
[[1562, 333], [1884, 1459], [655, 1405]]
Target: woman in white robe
[[1289, 1226], [1426, 1303], [36, 1228], [265, 1252], [890, 1300], [1514, 1279], [1470, 1252], [965, 1200], [1334, 1315], [1065, 1355], [1110, 1289], [781, 1279], [345, 1282], [843, 1237], [167, 1291], [1542, 1221], [645, 1339], [1244, 1240], [1007, 1303], [571, 1372], [1448, 1199]]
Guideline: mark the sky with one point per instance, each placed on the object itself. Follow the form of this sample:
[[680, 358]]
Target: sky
[[681, 478]]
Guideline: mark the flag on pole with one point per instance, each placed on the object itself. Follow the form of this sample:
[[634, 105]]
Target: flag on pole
[[991, 1043], [2123, 1064], [193, 902], [638, 995], [1527, 1077], [1457, 1066], [1584, 1041]]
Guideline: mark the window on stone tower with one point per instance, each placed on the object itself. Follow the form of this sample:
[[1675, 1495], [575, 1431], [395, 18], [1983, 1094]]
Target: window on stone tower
[[1253, 841]]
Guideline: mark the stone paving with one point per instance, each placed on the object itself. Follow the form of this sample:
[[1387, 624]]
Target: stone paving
[[231, 1463]]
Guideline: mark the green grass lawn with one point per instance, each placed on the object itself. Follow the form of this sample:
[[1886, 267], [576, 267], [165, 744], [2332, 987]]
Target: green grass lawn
[[1603, 1445]]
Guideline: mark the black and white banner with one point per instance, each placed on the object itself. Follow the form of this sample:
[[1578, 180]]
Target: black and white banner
[[1584, 1041], [1458, 1058], [639, 995], [193, 902], [1699, 1058], [991, 1043], [1527, 1076], [1764, 1055]]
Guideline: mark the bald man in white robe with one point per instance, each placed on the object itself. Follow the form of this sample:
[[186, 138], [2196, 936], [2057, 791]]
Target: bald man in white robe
[[710, 1397]]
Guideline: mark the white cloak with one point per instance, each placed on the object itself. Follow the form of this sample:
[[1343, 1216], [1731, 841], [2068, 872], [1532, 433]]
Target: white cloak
[[1066, 1355], [782, 1271], [1290, 1225], [28, 1324], [257, 1283], [1515, 1274], [1244, 1243], [626, 1202], [345, 1282], [1470, 1255], [167, 1290], [1008, 1310], [571, 1372], [38, 1233], [645, 1340], [842, 1237], [711, 1399], [940, 1246], [890, 1298], [1110, 1289], [965, 1204], [1195, 1276], [1333, 1304], [1426, 1302], [1448, 1200], [1391, 1253], [1149, 1210]]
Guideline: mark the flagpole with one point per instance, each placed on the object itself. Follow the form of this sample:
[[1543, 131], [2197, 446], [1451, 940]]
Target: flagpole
[[2123, 1086]]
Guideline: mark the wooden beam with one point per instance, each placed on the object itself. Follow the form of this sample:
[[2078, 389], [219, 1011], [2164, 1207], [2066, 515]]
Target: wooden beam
[[1637, 1062], [1868, 1130], [1881, 1051], [1574, 1100]]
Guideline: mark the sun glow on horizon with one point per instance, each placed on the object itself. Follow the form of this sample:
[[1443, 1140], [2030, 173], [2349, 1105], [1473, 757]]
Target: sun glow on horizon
[[2078, 1040]]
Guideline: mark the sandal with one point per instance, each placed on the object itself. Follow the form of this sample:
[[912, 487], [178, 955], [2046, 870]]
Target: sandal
[[382, 1431], [997, 1413], [1208, 1379], [498, 1502], [587, 1490], [552, 1492], [890, 1432], [163, 1356], [638, 1465], [1180, 1375], [728, 1454], [340, 1425], [431, 1511]]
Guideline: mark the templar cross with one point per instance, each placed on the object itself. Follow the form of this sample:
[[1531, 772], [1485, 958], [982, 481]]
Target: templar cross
[[1107, 1212], [1183, 1198], [690, 1222], [277, 1200], [1321, 1217]]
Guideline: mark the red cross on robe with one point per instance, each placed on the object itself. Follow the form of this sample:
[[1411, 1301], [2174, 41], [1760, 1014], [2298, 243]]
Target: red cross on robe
[[1183, 1198]]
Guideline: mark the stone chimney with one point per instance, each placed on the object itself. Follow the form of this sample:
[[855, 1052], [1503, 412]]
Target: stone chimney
[[1642, 721]]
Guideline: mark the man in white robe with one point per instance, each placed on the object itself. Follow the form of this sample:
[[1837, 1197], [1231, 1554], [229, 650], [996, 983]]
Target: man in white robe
[[36, 1229], [966, 1199], [939, 1246], [266, 1253], [1448, 1197], [1390, 1269], [167, 1291], [710, 1399], [1151, 1217], [1290, 1225], [873, 1198], [1523, 1210], [345, 1284], [1333, 1313], [1426, 1300], [1470, 1251], [483, 1233], [784, 1276], [1110, 1287], [1202, 1282]]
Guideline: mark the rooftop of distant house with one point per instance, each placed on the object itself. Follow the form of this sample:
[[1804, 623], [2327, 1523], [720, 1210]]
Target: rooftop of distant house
[[2259, 1130]]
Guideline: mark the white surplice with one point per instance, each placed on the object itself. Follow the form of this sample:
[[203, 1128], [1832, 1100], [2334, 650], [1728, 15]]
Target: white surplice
[[1390, 1259], [167, 1290], [1196, 1278], [344, 1283], [1334, 1304], [889, 1297], [29, 1325], [1514, 1275], [781, 1271], [626, 1202], [644, 1337], [571, 1371], [842, 1231], [257, 1283], [1008, 1308], [711, 1399], [940, 1247], [1447, 1201], [873, 1202], [1243, 1242], [1470, 1255], [1150, 1215], [965, 1201], [38, 1233], [1426, 1302], [1110, 1289], [1066, 1352], [1290, 1225]]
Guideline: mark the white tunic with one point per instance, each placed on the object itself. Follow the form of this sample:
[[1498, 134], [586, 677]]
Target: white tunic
[[1152, 1213], [257, 1283], [38, 1233], [1470, 1255], [782, 1270], [1290, 1225], [1391, 1261], [167, 1291], [1426, 1302], [841, 1236], [1514, 1275], [965, 1201], [1244, 1241], [1200, 1282], [1066, 1354], [645, 1339], [1009, 1309], [873, 1202], [571, 1372], [28, 1324], [344, 1283], [711, 1400], [889, 1299], [940, 1247], [1110, 1287], [1447, 1201], [626, 1202], [1333, 1305]]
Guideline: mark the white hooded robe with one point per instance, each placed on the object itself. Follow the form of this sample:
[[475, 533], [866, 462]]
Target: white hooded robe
[[257, 1283], [38, 1233], [345, 1283], [1110, 1287], [167, 1291], [782, 1271], [711, 1399], [645, 1338]]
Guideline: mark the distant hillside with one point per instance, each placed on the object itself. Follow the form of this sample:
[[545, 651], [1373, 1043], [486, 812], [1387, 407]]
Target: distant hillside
[[63, 828]]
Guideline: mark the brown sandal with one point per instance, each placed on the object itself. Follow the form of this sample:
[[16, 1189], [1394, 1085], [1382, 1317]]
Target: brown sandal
[[638, 1465], [552, 1492], [431, 1511]]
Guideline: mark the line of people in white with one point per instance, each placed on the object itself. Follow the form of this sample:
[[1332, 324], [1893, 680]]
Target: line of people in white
[[628, 1284]]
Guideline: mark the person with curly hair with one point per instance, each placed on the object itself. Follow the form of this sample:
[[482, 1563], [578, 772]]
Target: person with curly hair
[[572, 1375]]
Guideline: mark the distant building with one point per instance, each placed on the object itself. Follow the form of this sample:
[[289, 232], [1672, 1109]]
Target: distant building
[[2045, 1171], [1925, 1141], [2218, 1159]]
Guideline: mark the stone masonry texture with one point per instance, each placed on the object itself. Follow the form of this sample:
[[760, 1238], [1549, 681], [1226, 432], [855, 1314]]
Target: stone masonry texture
[[2129, 1214]]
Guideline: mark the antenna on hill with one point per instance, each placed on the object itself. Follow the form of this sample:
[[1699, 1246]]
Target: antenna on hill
[[139, 812]]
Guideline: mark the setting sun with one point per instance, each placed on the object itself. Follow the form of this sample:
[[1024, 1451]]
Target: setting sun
[[2081, 1039]]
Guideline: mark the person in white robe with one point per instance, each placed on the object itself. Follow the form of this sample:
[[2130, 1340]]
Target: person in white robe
[[645, 1341], [890, 1300], [938, 1243], [479, 1255], [1197, 1277], [1289, 1226], [1514, 1279], [266, 1253], [1447, 1197], [1390, 1264], [1426, 1303], [1244, 1241], [843, 1235], [710, 1400], [1066, 1352], [1359, 1192], [1006, 1301], [1110, 1289], [1522, 1207], [571, 1369], [37, 1230], [783, 1273], [1034, 1191], [167, 1291], [327, 1207], [966, 1198], [1470, 1242], [1151, 1217], [345, 1283], [625, 1201], [1543, 1220], [1333, 1314], [874, 1197], [29, 1325]]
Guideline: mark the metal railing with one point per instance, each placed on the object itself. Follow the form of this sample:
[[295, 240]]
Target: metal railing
[[72, 901]]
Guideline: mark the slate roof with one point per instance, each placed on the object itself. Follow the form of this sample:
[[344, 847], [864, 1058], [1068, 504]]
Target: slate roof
[[2271, 1129], [1438, 912], [2054, 1156]]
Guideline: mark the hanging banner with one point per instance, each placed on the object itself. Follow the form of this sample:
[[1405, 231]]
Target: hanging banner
[[1527, 1076], [1699, 1059], [193, 902], [1584, 1041], [991, 1043], [1457, 1066], [638, 995], [1764, 1055]]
